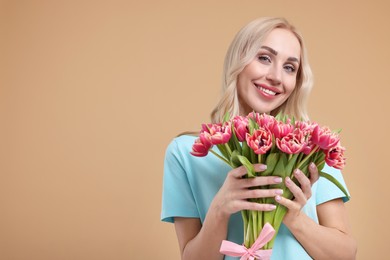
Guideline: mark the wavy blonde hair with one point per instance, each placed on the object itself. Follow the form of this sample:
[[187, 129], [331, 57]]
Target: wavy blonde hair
[[242, 51]]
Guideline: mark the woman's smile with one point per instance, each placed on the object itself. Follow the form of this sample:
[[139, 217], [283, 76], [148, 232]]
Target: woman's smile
[[266, 91]]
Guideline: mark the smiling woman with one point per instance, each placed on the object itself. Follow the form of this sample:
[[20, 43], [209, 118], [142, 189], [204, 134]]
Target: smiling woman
[[267, 81], [266, 70]]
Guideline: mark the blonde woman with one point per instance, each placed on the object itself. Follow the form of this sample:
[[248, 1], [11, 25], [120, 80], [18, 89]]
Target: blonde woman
[[266, 70]]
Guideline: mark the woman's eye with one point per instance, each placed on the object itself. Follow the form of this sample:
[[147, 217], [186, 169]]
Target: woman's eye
[[289, 68], [264, 58]]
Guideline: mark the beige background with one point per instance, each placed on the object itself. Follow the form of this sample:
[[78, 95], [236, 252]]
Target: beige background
[[91, 93]]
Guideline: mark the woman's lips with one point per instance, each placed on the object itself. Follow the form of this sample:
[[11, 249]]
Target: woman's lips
[[266, 91]]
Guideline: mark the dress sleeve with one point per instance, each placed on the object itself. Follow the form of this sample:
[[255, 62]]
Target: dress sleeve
[[177, 197], [326, 190]]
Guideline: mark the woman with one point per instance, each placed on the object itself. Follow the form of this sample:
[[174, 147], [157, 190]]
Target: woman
[[266, 70]]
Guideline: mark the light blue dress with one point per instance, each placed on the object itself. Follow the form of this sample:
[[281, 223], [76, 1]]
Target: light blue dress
[[190, 184]]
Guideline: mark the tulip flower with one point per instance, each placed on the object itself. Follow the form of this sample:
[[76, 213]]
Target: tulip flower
[[281, 129], [292, 143], [260, 141], [240, 125], [324, 137], [201, 146], [266, 121], [218, 133], [335, 157]]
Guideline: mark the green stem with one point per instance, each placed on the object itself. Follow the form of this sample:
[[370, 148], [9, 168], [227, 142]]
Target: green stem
[[315, 149], [260, 222], [245, 220], [228, 149], [220, 157], [299, 158], [254, 227], [248, 237]]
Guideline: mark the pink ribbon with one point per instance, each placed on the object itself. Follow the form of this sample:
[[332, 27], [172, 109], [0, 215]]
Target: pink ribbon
[[233, 249]]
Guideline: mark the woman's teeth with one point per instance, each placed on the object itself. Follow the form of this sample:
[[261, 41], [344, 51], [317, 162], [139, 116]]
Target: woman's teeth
[[269, 92]]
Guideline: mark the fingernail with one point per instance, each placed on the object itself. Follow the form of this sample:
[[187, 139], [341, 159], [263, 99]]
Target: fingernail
[[297, 172], [278, 198], [288, 180], [312, 165], [263, 167], [280, 192], [278, 180], [272, 206]]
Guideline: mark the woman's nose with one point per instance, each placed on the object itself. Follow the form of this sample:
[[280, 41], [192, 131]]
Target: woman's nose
[[274, 75]]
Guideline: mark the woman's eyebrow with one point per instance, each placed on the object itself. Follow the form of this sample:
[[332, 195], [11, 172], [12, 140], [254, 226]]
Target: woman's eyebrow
[[293, 59], [274, 52], [270, 50]]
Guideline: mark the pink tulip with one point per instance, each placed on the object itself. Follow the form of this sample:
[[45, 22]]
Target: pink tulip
[[253, 115], [308, 148], [263, 120], [201, 146], [281, 129], [266, 121], [240, 127], [292, 143], [307, 129], [260, 141], [218, 133], [335, 157], [324, 137]]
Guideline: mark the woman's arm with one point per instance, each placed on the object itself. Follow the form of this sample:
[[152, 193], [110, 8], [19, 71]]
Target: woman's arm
[[331, 238], [199, 241]]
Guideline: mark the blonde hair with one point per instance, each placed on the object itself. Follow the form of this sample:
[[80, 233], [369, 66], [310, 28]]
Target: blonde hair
[[242, 51]]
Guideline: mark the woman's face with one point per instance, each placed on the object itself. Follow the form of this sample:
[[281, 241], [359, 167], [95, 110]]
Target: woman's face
[[267, 81]]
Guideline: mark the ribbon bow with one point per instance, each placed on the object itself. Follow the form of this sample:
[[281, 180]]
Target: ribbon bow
[[233, 249]]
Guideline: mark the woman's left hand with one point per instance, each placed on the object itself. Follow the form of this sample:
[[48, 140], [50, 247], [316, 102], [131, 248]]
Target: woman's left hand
[[301, 194]]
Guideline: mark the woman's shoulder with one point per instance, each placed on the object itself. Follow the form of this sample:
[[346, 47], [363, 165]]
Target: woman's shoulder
[[181, 144], [185, 139]]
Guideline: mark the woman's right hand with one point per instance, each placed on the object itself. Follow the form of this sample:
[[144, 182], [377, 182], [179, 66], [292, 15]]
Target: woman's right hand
[[234, 194]]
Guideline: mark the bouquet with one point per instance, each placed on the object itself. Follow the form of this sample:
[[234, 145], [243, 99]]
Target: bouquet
[[283, 144]]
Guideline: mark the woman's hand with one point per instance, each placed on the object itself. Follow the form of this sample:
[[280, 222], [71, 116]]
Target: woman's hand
[[232, 196], [330, 238], [202, 240], [301, 194]]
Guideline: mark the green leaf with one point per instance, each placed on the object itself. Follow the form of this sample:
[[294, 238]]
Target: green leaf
[[226, 117], [293, 120], [253, 157], [320, 166], [252, 125], [246, 150], [335, 182], [320, 157], [291, 163], [337, 131], [234, 161], [234, 141], [271, 162], [278, 216], [280, 168], [280, 171], [279, 117], [248, 165]]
